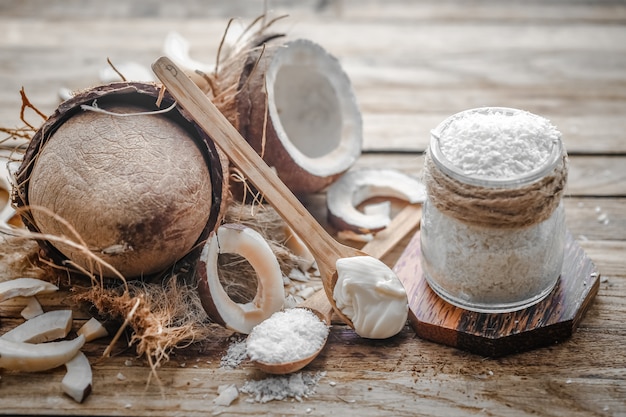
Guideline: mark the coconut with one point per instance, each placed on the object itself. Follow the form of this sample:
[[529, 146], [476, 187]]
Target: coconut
[[292, 101], [139, 190]]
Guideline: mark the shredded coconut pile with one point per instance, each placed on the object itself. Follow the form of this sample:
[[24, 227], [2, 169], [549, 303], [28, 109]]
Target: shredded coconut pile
[[298, 386], [498, 145], [286, 336]]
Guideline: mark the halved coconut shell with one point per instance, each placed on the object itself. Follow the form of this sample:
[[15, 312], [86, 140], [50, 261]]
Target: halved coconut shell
[[144, 227], [292, 101]]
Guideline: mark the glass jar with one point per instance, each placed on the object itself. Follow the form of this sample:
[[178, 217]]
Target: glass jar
[[493, 243]]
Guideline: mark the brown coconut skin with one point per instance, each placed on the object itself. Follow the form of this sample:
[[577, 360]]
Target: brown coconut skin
[[204, 293], [152, 232], [247, 113]]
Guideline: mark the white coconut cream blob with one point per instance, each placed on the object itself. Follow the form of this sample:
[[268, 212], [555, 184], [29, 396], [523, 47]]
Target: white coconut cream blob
[[372, 296]]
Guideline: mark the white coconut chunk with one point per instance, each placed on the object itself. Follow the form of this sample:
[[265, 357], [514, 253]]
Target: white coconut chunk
[[32, 309], [92, 330], [298, 275], [77, 381], [25, 287], [65, 93], [29, 357], [270, 295], [227, 394], [296, 245], [43, 328], [357, 186]]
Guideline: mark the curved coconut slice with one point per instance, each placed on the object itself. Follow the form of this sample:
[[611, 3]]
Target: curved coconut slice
[[44, 328], [25, 287], [77, 381], [297, 109], [357, 186], [29, 357], [270, 295]]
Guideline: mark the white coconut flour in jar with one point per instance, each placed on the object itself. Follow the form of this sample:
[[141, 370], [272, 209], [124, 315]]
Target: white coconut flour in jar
[[493, 225]]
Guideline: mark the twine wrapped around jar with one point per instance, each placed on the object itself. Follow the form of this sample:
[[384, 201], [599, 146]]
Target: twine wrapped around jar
[[496, 207]]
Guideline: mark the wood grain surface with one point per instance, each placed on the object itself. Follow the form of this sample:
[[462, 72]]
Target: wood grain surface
[[412, 64]]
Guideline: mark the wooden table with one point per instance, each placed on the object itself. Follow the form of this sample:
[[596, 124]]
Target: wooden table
[[412, 64]]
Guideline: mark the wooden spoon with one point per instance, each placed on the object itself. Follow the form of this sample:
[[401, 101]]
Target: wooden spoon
[[325, 249], [403, 223]]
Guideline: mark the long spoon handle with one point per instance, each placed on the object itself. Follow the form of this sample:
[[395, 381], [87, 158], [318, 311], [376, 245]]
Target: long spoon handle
[[224, 134]]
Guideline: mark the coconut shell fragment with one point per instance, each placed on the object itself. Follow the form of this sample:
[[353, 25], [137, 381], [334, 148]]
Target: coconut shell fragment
[[141, 190], [292, 101]]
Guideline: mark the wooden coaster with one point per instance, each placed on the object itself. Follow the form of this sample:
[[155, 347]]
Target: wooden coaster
[[552, 320]]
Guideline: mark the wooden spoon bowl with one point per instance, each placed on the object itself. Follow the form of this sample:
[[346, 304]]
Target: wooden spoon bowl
[[320, 306], [401, 225]]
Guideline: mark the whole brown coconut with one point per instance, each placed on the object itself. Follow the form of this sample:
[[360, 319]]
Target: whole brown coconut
[[141, 190], [294, 104]]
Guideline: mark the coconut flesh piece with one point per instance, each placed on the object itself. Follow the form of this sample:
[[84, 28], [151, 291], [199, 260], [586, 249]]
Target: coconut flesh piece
[[313, 124], [141, 190], [32, 309], [355, 187], [270, 295], [78, 379], [92, 330], [43, 328], [29, 357], [25, 287]]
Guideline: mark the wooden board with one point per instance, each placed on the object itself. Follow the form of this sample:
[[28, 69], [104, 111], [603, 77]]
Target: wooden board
[[550, 321]]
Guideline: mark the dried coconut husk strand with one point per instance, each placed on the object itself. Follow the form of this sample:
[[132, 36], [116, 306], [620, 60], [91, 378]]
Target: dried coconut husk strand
[[503, 208], [142, 95]]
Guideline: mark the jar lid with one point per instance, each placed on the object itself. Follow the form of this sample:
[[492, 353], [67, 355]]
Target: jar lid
[[524, 127]]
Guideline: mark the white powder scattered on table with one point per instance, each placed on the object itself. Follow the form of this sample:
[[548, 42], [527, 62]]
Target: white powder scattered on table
[[286, 336], [298, 386], [235, 355], [496, 144]]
